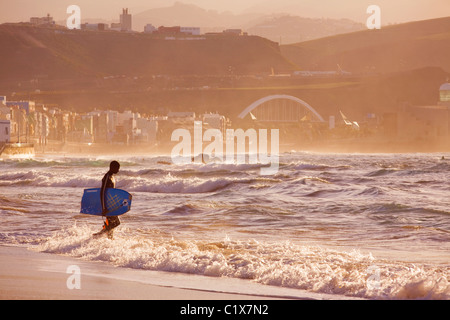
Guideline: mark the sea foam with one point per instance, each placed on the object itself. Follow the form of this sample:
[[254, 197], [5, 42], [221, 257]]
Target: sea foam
[[283, 264]]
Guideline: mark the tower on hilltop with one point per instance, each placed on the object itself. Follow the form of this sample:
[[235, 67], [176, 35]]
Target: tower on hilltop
[[125, 20]]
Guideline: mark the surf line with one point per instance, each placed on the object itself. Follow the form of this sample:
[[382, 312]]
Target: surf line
[[256, 151]]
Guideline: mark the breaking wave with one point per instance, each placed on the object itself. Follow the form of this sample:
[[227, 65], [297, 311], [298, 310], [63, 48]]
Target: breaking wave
[[283, 264]]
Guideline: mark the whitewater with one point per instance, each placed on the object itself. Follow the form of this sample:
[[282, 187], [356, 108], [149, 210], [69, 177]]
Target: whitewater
[[374, 226]]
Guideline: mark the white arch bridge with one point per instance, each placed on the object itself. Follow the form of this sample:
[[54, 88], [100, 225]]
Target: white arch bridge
[[281, 108]]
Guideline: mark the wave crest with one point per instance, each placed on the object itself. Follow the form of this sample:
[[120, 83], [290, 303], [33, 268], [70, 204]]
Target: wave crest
[[281, 264]]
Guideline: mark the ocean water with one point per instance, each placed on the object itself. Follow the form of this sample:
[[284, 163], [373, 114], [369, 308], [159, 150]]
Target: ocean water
[[373, 226]]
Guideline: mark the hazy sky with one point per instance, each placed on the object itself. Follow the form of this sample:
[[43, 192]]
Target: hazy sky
[[391, 10]]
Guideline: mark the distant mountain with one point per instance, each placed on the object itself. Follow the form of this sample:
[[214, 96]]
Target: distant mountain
[[188, 15], [398, 11], [291, 29], [396, 48], [287, 28]]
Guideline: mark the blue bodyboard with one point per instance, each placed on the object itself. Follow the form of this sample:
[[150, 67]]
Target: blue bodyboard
[[118, 202]]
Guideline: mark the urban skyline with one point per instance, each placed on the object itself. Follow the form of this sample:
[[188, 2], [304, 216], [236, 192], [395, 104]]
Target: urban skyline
[[393, 12]]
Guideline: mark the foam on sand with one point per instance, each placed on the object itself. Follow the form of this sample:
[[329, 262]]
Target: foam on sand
[[40, 276]]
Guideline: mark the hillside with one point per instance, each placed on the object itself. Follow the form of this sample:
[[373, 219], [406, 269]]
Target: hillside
[[391, 49], [27, 52]]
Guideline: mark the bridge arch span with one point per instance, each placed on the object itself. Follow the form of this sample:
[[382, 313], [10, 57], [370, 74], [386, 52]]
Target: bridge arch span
[[261, 101]]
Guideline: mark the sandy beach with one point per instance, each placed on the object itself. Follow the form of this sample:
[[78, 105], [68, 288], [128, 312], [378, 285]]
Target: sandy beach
[[29, 275]]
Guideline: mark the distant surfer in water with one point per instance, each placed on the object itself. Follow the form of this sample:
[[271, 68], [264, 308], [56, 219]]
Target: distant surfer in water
[[109, 182]]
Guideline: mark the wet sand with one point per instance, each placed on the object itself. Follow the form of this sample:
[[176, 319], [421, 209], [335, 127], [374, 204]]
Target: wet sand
[[29, 275]]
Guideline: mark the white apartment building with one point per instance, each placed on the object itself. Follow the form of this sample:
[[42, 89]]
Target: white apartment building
[[5, 131], [195, 31]]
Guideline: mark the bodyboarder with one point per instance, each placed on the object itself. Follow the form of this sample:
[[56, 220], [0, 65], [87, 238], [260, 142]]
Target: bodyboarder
[[109, 181]]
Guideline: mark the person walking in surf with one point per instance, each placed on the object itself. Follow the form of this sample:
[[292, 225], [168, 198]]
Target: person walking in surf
[[109, 181]]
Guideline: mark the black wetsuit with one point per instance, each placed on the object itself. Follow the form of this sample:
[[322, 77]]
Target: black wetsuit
[[108, 182]]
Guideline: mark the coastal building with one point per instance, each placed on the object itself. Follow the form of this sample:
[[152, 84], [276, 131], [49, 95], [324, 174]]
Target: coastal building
[[112, 122], [18, 124], [95, 26], [82, 130], [116, 26], [26, 124], [27, 106], [169, 30], [125, 116], [42, 129], [5, 112], [422, 123], [126, 20], [5, 123], [101, 126], [195, 31], [19, 116], [181, 117], [234, 32], [444, 95], [5, 131], [125, 24], [38, 21], [61, 126], [148, 130], [130, 128], [172, 31], [149, 28], [215, 121]]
